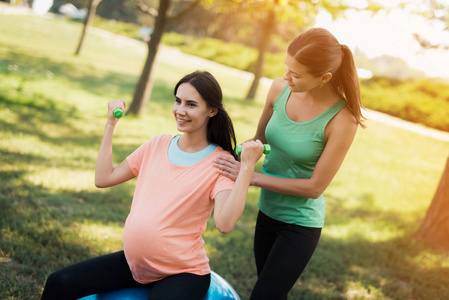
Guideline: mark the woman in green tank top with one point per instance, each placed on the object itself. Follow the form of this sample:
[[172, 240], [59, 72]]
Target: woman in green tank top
[[310, 119]]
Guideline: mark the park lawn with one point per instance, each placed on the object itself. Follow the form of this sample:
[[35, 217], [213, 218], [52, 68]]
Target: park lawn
[[53, 108]]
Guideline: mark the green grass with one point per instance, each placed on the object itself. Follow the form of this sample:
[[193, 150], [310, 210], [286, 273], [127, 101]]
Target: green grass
[[53, 108]]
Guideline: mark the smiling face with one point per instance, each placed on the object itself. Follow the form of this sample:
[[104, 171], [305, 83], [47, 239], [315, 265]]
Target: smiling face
[[191, 111], [298, 77]]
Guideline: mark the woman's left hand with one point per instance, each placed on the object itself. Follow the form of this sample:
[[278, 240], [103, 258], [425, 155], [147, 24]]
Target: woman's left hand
[[227, 166]]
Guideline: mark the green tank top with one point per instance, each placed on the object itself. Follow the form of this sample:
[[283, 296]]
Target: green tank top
[[295, 150]]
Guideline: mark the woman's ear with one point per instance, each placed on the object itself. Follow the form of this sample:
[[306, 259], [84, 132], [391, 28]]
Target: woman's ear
[[213, 112], [326, 78]]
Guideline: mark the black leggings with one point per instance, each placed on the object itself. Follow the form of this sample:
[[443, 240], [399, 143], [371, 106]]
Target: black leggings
[[282, 251], [111, 272]]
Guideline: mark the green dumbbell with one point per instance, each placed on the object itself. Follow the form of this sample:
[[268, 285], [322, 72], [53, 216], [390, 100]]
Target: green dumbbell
[[118, 113], [266, 149]]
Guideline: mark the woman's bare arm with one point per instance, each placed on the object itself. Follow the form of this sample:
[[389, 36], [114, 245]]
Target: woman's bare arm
[[106, 174]]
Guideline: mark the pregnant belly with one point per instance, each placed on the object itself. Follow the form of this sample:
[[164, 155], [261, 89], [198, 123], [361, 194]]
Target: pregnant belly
[[149, 246]]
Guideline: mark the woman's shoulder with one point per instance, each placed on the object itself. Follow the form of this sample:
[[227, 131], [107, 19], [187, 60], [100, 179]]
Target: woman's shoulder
[[158, 140], [277, 86], [344, 121], [345, 116], [220, 151], [161, 138]]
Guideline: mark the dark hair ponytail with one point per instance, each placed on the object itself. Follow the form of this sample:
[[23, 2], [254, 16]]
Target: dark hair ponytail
[[321, 53], [220, 129]]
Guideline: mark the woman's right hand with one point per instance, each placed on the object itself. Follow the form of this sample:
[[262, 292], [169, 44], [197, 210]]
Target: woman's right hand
[[251, 152], [112, 105]]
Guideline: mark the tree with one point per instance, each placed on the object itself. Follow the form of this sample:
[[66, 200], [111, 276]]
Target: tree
[[434, 229], [92, 8], [268, 26], [143, 89]]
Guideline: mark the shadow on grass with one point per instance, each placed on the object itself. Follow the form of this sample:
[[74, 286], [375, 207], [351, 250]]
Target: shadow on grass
[[74, 139], [367, 210], [33, 110], [341, 269], [36, 113], [85, 77]]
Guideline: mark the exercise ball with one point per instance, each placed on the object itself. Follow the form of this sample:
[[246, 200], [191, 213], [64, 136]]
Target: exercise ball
[[219, 289]]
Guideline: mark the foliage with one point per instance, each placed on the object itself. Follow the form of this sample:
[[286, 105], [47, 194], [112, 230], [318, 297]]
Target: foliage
[[434, 10], [125, 11], [419, 101], [230, 54], [240, 21], [231, 21], [121, 28], [53, 109]]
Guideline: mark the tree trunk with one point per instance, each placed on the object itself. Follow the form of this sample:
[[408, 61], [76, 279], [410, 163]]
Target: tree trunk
[[89, 18], [434, 229], [142, 92], [267, 29]]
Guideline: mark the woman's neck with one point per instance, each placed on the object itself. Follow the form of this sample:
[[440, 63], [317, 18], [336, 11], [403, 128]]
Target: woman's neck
[[192, 143], [323, 95]]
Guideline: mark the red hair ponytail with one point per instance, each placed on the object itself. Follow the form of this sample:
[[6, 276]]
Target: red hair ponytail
[[321, 53]]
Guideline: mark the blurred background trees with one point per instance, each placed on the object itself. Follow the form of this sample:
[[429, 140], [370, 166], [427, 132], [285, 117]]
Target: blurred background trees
[[252, 36], [267, 26]]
